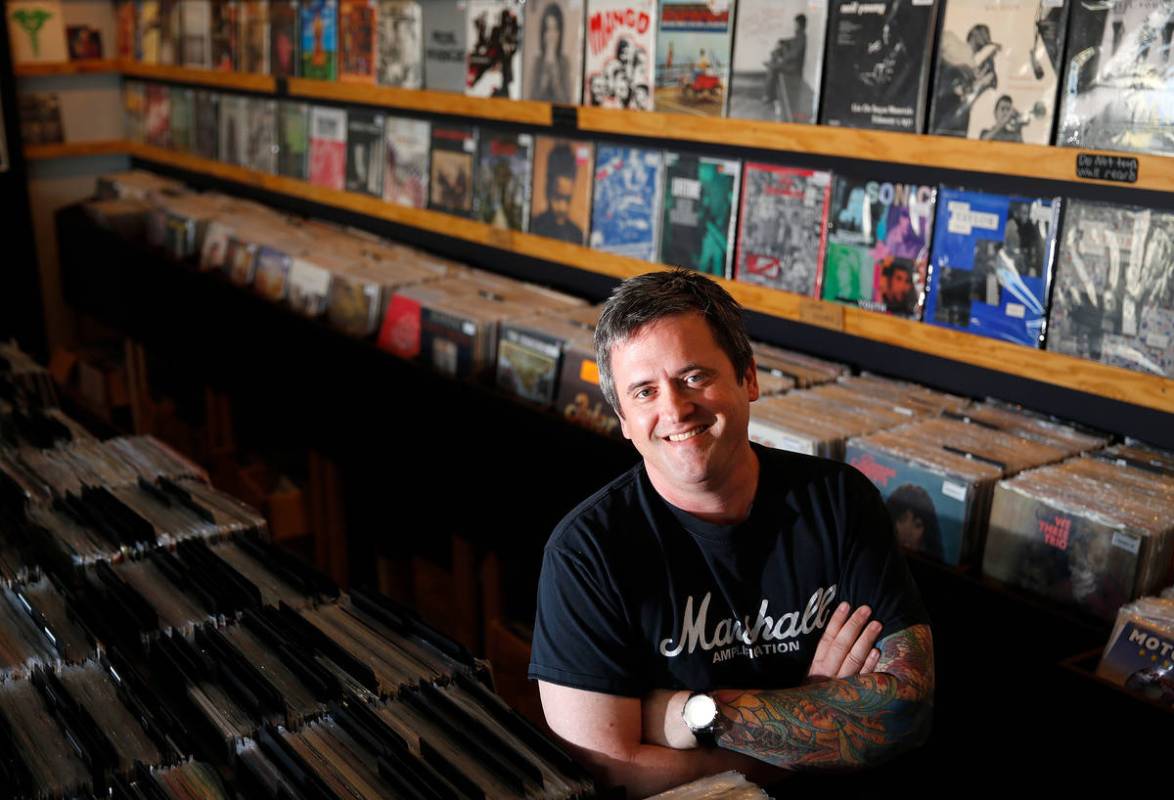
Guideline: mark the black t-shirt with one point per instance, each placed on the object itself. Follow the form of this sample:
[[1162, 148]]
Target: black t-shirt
[[636, 594]]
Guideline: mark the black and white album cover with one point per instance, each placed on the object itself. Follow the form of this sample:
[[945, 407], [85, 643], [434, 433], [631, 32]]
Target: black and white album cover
[[778, 60], [878, 61], [1114, 295], [364, 158], [400, 46], [552, 51], [997, 69], [1118, 91]]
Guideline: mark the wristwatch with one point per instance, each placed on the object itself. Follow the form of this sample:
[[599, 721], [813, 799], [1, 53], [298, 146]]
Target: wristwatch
[[703, 718]]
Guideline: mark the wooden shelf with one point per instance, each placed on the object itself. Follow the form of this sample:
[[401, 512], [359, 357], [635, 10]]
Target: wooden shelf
[[1141, 389], [88, 67], [526, 112], [46, 152], [944, 152], [244, 81]]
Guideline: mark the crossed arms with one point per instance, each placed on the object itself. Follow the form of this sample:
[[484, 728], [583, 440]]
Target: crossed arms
[[859, 706]]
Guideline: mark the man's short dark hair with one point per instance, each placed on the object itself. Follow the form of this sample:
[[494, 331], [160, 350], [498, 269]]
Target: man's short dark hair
[[560, 163], [640, 301]]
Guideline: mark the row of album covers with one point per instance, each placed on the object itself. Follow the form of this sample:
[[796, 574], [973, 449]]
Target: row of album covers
[[1036, 502], [1079, 277], [1081, 74], [146, 620]]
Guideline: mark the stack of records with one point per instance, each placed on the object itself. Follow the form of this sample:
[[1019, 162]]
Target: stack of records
[[24, 645], [177, 224], [23, 378], [937, 476], [126, 217], [819, 421], [1090, 532], [1027, 425], [992, 264], [1140, 653], [54, 614], [137, 184], [909, 399], [1116, 93], [1114, 295], [778, 367], [191, 779], [452, 324], [723, 786], [530, 354], [33, 739]]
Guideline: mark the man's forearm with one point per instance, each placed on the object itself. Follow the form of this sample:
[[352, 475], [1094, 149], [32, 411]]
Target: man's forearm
[[844, 723], [649, 769]]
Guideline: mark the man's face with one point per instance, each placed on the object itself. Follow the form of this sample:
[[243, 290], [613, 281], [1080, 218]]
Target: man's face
[[1002, 110], [560, 198], [682, 406]]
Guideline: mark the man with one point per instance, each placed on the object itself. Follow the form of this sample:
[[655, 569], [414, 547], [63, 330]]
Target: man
[[555, 222], [897, 288], [715, 567]]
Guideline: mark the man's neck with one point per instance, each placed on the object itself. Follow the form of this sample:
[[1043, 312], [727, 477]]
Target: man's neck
[[725, 504]]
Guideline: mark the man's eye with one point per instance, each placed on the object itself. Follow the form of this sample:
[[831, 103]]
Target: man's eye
[[695, 379], [643, 394]]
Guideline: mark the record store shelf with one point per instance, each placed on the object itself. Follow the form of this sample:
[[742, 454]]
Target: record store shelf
[[244, 81], [1150, 391], [106, 147], [86, 67], [1154, 172]]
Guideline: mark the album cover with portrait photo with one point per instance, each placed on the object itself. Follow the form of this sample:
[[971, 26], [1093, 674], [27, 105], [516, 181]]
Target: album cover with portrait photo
[[400, 44], [552, 51], [560, 204]]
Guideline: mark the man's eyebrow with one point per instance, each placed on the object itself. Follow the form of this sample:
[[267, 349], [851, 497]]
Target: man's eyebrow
[[692, 366]]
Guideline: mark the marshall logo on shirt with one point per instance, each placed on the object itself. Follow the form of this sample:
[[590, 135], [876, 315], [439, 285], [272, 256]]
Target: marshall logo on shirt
[[732, 637]]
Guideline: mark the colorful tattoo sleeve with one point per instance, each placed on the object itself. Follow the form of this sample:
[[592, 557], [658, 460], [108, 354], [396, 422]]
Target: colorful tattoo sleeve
[[844, 723]]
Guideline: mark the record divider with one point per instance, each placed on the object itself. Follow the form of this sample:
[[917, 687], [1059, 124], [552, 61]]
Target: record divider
[[1092, 377]]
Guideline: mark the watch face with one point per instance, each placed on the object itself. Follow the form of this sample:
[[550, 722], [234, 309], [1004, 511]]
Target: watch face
[[700, 711]]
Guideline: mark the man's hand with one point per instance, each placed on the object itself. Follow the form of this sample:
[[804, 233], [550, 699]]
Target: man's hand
[[846, 646], [845, 649]]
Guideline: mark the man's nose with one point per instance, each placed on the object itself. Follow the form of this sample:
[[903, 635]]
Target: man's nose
[[676, 402]]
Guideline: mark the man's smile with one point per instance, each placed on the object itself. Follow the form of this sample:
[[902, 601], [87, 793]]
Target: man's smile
[[689, 434]]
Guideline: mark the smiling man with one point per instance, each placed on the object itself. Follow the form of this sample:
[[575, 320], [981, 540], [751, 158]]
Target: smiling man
[[696, 614]]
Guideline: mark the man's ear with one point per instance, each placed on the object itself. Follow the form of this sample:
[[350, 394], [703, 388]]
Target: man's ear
[[751, 378]]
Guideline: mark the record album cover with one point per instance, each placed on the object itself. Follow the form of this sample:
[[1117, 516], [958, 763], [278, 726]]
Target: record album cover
[[261, 145], [450, 182], [36, 31], [698, 218], [293, 139], [170, 39], [1072, 558], [878, 62], [206, 138], [365, 154], [930, 507], [283, 38], [561, 198], [149, 29], [494, 39], [126, 23], [134, 110], [620, 52], [528, 363], [327, 164], [1114, 295], [158, 115], [195, 24], [445, 38], [318, 29], [405, 181], [40, 118], [357, 32], [84, 42], [307, 287], [255, 35], [272, 274], [878, 245], [997, 69], [234, 129], [183, 109], [693, 56], [226, 30], [502, 185], [552, 51], [782, 227], [1118, 85], [625, 215], [778, 60], [400, 45], [992, 264]]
